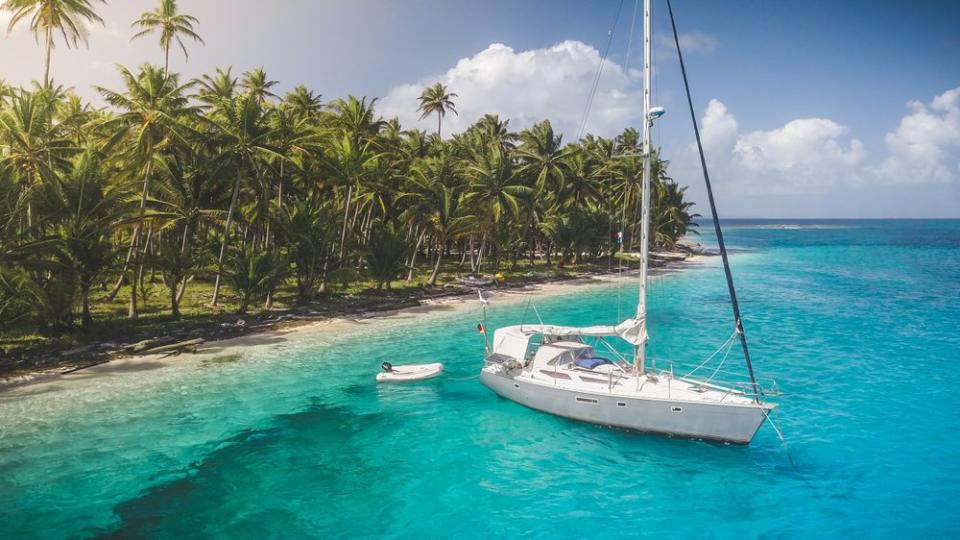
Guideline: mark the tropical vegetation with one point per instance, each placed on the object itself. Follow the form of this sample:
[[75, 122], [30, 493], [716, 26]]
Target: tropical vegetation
[[219, 188]]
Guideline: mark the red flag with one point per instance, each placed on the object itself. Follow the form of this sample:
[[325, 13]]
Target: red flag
[[480, 327]]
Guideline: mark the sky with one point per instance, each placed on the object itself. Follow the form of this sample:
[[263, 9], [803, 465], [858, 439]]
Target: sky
[[807, 109]]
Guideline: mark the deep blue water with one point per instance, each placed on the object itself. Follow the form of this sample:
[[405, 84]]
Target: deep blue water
[[857, 321]]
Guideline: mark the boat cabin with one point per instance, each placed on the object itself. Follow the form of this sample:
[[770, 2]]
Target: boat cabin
[[530, 348]]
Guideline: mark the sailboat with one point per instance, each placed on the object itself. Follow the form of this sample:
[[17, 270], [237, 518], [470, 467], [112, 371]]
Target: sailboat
[[556, 369]]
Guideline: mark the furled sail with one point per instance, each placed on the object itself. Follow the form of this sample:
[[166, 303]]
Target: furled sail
[[633, 331]]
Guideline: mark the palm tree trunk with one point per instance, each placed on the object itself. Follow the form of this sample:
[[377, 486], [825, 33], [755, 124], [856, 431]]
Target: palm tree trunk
[[47, 48], [135, 242], [413, 257], [323, 276], [183, 288], [439, 118], [166, 60], [146, 248], [223, 245], [174, 299], [123, 272], [87, 319], [436, 268], [483, 243], [346, 221], [473, 259]]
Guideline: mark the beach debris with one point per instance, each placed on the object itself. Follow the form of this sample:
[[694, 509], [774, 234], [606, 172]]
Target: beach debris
[[474, 281], [141, 346], [182, 346]]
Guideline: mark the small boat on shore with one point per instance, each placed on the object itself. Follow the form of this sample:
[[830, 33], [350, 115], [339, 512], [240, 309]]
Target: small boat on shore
[[410, 372]]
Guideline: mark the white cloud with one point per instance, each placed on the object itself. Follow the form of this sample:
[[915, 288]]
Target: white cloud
[[815, 155], [925, 148], [692, 43], [527, 87], [803, 155]]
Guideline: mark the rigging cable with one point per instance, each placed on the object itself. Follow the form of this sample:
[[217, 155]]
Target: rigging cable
[[713, 211], [623, 217], [596, 80]]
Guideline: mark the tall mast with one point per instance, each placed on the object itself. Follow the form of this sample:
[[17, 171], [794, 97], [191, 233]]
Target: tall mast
[[640, 357]]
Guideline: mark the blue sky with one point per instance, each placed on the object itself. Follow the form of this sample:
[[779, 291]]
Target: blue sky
[[804, 105]]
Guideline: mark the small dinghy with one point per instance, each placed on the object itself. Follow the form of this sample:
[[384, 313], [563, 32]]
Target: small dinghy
[[410, 372]]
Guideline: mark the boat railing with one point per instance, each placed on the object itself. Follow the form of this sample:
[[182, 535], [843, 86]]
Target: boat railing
[[611, 382], [735, 388]]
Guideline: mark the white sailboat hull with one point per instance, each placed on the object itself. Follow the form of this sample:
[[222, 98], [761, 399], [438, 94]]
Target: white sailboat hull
[[727, 422]]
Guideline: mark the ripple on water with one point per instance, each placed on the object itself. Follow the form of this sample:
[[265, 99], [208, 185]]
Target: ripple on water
[[291, 437]]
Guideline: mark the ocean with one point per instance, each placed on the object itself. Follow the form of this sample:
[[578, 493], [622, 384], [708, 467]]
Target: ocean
[[857, 322]]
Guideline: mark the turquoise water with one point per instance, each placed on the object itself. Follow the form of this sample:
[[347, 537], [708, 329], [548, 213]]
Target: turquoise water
[[857, 322]]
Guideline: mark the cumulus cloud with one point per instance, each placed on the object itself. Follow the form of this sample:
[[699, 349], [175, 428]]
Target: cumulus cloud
[[925, 147], [527, 87], [812, 155], [803, 155]]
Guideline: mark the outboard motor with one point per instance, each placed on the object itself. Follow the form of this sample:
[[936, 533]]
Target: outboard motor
[[387, 366]]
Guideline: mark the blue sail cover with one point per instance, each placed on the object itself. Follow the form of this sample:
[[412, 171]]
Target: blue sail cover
[[590, 363]]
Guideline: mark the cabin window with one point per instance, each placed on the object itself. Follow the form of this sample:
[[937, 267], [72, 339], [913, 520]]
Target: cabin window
[[586, 400], [555, 374], [676, 409], [621, 404]]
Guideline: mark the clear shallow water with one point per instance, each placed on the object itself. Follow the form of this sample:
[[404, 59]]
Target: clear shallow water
[[857, 323]]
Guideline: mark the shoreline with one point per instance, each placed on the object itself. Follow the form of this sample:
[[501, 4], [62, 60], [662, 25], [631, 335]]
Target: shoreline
[[97, 357]]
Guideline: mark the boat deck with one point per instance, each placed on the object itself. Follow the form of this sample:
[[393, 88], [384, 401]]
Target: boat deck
[[648, 386]]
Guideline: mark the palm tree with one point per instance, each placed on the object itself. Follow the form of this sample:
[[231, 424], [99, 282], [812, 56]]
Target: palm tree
[[356, 118], [172, 26], [32, 143], [184, 203], [303, 103], [436, 100], [243, 137], [543, 157], [306, 227], [68, 17], [254, 273], [492, 130], [86, 208], [150, 119], [256, 83], [495, 192], [346, 163], [434, 200], [219, 86], [385, 253]]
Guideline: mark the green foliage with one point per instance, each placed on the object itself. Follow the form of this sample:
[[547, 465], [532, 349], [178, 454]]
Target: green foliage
[[385, 252], [176, 185], [305, 228], [254, 274]]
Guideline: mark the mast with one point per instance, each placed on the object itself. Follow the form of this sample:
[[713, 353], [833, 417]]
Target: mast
[[640, 356]]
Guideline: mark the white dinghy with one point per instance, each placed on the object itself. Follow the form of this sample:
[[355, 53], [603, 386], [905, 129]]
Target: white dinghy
[[409, 372]]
